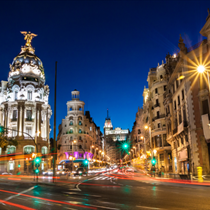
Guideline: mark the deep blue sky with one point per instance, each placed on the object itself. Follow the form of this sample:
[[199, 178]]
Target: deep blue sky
[[103, 48]]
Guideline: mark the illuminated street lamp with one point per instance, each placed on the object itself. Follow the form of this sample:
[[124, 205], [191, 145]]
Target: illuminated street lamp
[[201, 68]]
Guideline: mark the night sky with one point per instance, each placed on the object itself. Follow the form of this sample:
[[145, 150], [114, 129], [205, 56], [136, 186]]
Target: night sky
[[104, 48]]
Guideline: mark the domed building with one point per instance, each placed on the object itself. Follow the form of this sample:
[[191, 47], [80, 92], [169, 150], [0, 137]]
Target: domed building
[[25, 112], [78, 137]]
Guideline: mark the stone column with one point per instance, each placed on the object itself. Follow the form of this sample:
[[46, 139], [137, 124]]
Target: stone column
[[23, 114], [40, 120], [47, 125], [36, 113], [18, 120]]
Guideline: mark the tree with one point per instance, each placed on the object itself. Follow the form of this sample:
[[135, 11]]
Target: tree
[[5, 141]]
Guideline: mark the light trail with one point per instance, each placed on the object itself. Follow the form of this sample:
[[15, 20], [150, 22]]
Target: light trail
[[16, 205]]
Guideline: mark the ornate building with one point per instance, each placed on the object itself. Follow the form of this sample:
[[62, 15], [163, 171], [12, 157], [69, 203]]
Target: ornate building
[[78, 134], [25, 111], [113, 139]]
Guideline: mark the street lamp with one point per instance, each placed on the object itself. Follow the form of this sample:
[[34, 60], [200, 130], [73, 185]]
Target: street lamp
[[201, 68]]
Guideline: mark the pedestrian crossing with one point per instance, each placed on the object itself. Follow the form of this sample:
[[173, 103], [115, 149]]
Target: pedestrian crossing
[[102, 178]]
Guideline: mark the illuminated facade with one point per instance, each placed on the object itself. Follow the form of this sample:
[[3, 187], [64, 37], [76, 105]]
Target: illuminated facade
[[187, 106], [24, 108], [78, 134], [112, 139]]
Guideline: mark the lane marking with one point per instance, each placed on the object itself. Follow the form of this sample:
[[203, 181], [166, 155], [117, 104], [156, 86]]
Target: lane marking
[[50, 200], [16, 205], [105, 207], [9, 198], [147, 207]]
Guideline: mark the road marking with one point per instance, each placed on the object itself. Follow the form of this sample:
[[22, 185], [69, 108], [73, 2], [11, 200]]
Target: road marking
[[9, 198], [16, 205], [105, 207], [146, 207]]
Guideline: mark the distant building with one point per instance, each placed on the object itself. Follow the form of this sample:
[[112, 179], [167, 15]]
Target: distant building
[[25, 110], [113, 139], [78, 136]]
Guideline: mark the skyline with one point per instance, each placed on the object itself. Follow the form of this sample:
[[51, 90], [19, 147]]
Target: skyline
[[104, 42]]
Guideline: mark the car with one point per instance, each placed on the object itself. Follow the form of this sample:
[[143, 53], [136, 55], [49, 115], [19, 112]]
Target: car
[[63, 172], [81, 172], [48, 172], [6, 173]]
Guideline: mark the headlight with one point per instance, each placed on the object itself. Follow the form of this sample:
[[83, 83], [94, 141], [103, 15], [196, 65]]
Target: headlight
[[57, 172], [63, 172], [79, 171]]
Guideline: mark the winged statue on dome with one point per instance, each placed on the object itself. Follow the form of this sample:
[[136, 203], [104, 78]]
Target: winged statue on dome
[[28, 36]]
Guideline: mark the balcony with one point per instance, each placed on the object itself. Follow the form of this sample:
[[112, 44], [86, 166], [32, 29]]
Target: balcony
[[158, 117], [29, 119]]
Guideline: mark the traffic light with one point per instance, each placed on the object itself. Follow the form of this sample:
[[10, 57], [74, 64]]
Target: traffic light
[[37, 171], [125, 146], [153, 161], [37, 162], [1, 129]]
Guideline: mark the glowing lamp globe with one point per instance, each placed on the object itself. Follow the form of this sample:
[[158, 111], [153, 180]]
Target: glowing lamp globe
[[201, 69]]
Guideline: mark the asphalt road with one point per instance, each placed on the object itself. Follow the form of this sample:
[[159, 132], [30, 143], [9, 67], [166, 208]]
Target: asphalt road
[[104, 192]]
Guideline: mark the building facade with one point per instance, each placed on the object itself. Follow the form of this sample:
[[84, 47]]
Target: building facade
[[113, 140], [79, 136], [25, 112]]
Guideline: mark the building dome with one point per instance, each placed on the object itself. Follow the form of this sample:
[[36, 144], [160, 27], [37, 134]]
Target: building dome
[[26, 57]]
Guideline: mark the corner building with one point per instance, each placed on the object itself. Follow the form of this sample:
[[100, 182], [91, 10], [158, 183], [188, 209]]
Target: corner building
[[25, 110], [79, 136]]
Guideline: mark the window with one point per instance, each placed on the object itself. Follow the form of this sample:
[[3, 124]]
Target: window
[[184, 115], [14, 115], [71, 131], [157, 103], [71, 123], [158, 125], [180, 118], [178, 100], [80, 131], [16, 95], [28, 149], [90, 128], [205, 107], [44, 150], [174, 105], [80, 146], [80, 138], [182, 142], [158, 114], [161, 77], [10, 149], [40, 96], [80, 123], [70, 146], [65, 125], [164, 87], [29, 95], [173, 89], [29, 114], [29, 131], [182, 94], [71, 138], [139, 131], [156, 90], [177, 84]]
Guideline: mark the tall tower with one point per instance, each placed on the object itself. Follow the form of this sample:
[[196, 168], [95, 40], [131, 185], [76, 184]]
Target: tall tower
[[24, 105]]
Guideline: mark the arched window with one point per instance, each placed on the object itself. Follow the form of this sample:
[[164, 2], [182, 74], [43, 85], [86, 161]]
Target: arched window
[[44, 150], [10, 149], [80, 131], [71, 138], [71, 130], [80, 123], [28, 149], [79, 118], [16, 95], [71, 123]]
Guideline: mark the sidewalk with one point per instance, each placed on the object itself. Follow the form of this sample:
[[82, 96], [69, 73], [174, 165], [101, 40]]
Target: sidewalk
[[178, 181]]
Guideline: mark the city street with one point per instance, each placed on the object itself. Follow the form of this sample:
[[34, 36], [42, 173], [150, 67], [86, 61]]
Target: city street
[[106, 191]]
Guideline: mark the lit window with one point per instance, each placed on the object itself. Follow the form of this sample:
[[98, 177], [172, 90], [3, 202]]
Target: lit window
[[29, 114], [29, 149], [44, 150], [90, 128], [71, 131], [40, 96], [80, 131], [29, 95], [71, 123], [16, 95], [80, 123]]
